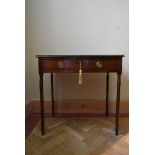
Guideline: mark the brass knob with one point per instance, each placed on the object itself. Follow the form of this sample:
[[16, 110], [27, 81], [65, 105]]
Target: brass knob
[[99, 64], [60, 64]]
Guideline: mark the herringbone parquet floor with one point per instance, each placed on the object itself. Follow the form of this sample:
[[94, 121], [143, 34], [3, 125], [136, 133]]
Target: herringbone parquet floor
[[79, 136]]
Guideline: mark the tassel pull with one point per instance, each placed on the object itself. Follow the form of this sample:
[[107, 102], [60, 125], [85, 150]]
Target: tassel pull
[[80, 75]]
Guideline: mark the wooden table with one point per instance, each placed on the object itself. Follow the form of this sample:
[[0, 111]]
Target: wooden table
[[71, 64]]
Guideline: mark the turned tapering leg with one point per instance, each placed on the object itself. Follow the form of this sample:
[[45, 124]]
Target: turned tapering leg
[[52, 95], [41, 103], [118, 102], [107, 93]]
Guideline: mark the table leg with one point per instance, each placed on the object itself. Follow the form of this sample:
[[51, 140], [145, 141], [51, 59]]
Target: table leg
[[107, 93], [41, 103], [118, 102], [52, 95]]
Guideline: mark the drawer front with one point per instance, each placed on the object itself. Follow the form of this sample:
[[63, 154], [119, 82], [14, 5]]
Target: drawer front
[[59, 65], [102, 65], [88, 65]]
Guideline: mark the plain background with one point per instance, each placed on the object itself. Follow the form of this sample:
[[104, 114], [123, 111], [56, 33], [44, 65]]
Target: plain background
[[76, 27], [12, 79]]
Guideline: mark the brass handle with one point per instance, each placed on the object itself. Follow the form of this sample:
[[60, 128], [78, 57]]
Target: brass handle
[[60, 64], [99, 64]]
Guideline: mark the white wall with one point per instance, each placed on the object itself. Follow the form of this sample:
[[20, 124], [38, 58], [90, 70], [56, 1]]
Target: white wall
[[76, 27]]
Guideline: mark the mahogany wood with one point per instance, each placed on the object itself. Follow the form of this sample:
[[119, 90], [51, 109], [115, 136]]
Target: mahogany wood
[[88, 65], [42, 103], [52, 95], [71, 64], [118, 102], [107, 93]]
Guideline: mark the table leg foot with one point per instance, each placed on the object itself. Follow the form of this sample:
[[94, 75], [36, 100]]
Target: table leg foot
[[116, 129]]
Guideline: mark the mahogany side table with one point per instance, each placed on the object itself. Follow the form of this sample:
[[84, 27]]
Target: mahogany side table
[[72, 64]]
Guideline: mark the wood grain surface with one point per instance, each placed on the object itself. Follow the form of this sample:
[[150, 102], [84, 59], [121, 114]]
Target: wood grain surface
[[79, 136]]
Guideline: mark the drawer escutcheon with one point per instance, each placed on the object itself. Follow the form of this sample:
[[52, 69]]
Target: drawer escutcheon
[[99, 64], [61, 65]]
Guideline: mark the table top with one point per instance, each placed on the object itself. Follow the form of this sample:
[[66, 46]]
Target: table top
[[77, 56]]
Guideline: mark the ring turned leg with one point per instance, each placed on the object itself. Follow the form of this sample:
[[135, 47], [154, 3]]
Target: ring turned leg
[[107, 93], [41, 103], [52, 95], [118, 102]]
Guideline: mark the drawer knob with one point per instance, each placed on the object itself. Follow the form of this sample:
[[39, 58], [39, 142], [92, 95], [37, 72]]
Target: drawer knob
[[60, 64], [99, 64]]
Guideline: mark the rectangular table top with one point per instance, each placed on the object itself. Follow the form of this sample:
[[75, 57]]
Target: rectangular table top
[[77, 56]]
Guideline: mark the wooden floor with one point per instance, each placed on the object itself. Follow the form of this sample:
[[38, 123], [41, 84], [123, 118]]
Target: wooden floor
[[79, 136], [30, 122]]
